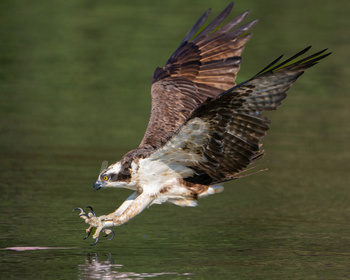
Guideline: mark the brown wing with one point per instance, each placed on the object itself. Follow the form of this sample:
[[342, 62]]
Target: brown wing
[[222, 136], [200, 68]]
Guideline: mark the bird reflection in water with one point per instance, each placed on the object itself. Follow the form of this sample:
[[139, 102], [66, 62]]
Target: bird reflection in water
[[95, 269]]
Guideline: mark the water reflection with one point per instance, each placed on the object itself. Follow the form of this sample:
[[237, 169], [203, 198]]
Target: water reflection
[[107, 269]]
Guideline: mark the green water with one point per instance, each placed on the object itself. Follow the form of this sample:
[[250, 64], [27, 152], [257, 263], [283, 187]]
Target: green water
[[75, 91]]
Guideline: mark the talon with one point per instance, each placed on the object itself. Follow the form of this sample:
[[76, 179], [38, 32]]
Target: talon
[[84, 214], [91, 210], [94, 242], [78, 208], [88, 235], [110, 232]]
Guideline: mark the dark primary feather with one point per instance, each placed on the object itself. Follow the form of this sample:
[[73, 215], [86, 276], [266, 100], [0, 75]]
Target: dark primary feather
[[201, 67], [198, 81], [216, 22], [236, 121]]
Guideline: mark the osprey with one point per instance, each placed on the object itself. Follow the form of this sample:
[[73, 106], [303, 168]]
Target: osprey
[[204, 129]]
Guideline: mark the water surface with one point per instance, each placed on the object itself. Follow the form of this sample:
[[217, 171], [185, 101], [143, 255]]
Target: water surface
[[75, 91]]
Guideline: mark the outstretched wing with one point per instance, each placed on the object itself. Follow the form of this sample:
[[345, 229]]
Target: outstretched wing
[[222, 136], [201, 67]]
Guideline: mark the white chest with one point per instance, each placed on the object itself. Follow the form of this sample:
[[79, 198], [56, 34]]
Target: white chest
[[153, 175]]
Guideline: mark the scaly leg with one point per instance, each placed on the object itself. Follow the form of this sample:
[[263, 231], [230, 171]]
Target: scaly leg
[[117, 212], [134, 205], [125, 205]]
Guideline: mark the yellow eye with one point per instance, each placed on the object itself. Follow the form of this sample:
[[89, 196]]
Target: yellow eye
[[105, 178]]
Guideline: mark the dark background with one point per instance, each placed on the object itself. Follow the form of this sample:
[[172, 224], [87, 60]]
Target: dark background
[[75, 91]]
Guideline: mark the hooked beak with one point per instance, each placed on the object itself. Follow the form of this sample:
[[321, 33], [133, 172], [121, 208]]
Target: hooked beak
[[98, 185]]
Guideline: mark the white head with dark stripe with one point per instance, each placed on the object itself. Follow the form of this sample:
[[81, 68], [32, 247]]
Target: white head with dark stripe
[[116, 175]]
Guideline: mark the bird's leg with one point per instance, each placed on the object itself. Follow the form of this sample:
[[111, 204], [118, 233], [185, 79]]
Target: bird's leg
[[124, 206], [136, 207], [117, 212], [129, 209]]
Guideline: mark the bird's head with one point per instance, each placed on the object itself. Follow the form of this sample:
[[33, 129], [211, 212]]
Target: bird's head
[[115, 175]]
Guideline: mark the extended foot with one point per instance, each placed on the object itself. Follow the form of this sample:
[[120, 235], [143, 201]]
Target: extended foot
[[100, 223]]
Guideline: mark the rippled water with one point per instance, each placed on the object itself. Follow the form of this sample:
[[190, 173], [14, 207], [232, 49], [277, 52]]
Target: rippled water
[[74, 88]]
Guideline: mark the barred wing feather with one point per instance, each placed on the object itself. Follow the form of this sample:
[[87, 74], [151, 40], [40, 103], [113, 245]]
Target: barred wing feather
[[221, 138], [202, 66]]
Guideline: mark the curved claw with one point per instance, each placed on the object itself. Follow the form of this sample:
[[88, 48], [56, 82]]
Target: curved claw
[[84, 214], [94, 242], [89, 207], [88, 236], [78, 208], [91, 210], [113, 235]]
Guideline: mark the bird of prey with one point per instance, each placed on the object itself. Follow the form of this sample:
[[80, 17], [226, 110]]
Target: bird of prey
[[204, 129]]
